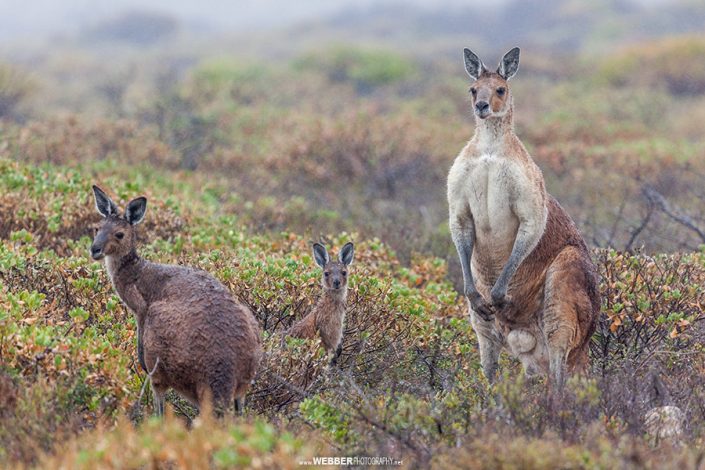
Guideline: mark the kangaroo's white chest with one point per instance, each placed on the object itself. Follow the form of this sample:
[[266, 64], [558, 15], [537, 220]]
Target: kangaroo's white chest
[[111, 265], [488, 193]]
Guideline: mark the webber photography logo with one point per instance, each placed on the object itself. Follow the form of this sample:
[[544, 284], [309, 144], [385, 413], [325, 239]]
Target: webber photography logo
[[352, 461]]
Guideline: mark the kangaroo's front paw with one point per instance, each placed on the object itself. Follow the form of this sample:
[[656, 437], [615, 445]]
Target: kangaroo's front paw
[[481, 307], [501, 302], [499, 297], [336, 355]]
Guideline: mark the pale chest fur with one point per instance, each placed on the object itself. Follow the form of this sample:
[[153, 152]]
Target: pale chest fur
[[111, 266], [489, 194], [330, 315], [483, 189], [493, 191]]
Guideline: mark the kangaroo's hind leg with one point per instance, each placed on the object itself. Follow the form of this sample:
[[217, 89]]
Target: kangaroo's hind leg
[[239, 406], [217, 399], [159, 394], [159, 388], [569, 313], [490, 344]]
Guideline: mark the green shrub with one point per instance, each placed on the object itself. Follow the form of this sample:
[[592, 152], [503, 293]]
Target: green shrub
[[168, 444], [367, 69], [226, 78], [15, 87], [673, 63]]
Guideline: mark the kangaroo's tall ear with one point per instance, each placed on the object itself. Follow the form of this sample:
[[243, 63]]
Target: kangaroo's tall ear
[[473, 65], [320, 254], [509, 64], [135, 210], [346, 253], [106, 207]]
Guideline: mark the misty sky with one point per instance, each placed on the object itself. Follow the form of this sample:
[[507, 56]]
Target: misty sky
[[44, 18]]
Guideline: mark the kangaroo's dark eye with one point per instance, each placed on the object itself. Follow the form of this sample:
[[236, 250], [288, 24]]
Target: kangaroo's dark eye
[[501, 90], [327, 274], [119, 235], [473, 91], [345, 273]]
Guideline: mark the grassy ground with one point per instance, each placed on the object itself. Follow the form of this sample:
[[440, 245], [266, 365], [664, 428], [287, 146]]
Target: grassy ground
[[409, 383]]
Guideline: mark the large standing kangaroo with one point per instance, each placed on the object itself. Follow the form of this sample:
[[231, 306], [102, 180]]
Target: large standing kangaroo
[[192, 335], [527, 272]]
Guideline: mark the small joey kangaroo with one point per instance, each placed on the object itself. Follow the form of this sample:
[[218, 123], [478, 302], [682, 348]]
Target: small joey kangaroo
[[192, 335], [327, 317]]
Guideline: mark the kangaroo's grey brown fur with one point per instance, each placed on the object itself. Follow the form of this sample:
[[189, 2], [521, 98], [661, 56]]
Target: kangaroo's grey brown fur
[[529, 279], [192, 334], [327, 317]]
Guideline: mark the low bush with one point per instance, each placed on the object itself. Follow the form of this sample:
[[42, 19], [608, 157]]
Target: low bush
[[366, 69], [15, 87], [168, 444], [673, 63]]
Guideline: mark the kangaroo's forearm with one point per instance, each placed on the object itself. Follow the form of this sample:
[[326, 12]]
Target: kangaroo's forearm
[[515, 258], [140, 348], [524, 243], [137, 304], [464, 241]]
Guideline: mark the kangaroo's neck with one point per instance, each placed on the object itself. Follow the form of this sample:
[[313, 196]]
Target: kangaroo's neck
[[124, 273], [333, 302], [492, 133]]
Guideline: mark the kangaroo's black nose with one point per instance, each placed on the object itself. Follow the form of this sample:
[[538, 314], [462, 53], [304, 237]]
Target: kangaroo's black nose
[[96, 252], [336, 283], [482, 106]]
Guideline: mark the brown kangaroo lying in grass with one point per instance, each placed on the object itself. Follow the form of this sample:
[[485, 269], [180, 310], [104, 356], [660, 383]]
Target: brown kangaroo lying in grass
[[528, 276], [192, 335], [328, 315]]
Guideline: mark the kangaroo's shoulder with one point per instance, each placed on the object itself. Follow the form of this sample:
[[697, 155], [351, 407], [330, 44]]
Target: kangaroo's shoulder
[[459, 170], [515, 150], [470, 152]]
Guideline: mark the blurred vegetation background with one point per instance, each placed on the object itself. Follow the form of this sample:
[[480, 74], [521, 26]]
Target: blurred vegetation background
[[348, 118], [257, 127]]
